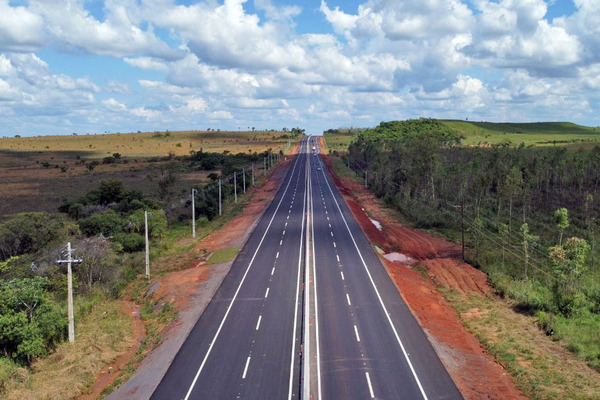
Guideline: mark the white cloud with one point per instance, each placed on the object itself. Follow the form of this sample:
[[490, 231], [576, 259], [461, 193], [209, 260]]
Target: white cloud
[[74, 28], [146, 113], [513, 34], [147, 63], [20, 29], [284, 13], [341, 22], [113, 104], [229, 38], [220, 115]]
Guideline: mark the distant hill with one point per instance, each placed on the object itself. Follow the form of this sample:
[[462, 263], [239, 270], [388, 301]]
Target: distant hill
[[535, 133]]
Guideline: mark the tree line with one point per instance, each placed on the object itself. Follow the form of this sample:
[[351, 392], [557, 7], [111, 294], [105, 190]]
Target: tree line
[[530, 213]]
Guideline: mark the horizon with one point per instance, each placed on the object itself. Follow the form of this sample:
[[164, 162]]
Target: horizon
[[107, 66]]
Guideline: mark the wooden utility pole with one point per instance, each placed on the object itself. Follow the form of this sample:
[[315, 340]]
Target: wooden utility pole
[[244, 178], [220, 208], [69, 261]]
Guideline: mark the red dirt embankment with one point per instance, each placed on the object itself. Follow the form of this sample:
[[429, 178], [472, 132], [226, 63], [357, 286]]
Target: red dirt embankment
[[474, 371]]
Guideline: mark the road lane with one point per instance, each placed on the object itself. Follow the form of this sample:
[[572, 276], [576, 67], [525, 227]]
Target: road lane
[[372, 345], [307, 301], [246, 343]]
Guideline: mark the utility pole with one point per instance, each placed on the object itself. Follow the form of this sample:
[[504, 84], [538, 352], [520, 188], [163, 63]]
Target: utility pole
[[147, 245], [264, 165], [244, 178], [252, 174], [235, 187], [366, 185], [220, 197], [69, 261], [193, 213]]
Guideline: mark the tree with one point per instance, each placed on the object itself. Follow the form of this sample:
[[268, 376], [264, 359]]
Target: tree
[[561, 218], [29, 232], [111, 191], [568, 263], [157, 223], [30, 324], [106, 223], [513, 185], [91, 165], [166, 182], [528, 241], [98, 256]]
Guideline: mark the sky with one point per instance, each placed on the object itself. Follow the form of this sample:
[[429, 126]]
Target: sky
[[97, 66]]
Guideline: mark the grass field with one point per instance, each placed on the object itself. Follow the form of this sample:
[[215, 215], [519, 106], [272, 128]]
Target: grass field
[[149, 144], [39, 173], [536, 134], [489, 133]]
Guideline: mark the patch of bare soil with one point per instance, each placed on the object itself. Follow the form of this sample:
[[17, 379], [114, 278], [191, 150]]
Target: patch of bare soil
[[473, 370]]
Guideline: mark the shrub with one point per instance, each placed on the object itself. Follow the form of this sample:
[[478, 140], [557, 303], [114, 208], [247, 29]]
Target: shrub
[[30, 325], [107, 223], [131, 242], [29, 232], [530, 295]]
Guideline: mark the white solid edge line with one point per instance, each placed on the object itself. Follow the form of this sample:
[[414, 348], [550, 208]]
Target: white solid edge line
[[370, 386], [412, 369], [246, 367], [187, 396]]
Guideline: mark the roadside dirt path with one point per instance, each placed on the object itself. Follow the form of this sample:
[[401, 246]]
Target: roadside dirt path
[[110, 372], [473, 370]]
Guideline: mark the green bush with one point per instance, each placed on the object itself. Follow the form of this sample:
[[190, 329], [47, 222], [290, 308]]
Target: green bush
[[30, 324], [530, 295], [131, 242], [10, 372], [107, 223], [30, 232]]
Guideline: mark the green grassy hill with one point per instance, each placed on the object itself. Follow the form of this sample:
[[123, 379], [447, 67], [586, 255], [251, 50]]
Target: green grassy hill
[[537, 133]]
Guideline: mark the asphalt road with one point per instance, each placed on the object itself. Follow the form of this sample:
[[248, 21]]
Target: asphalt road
[[307, 310]]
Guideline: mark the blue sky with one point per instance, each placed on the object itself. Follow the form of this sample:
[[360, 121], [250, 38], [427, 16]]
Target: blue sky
[[95, 66]]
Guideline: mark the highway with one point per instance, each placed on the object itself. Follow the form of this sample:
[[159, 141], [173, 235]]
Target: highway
[[307, 311]]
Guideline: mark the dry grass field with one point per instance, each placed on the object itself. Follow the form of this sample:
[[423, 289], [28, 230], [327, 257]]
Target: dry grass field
[[39, 173]]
